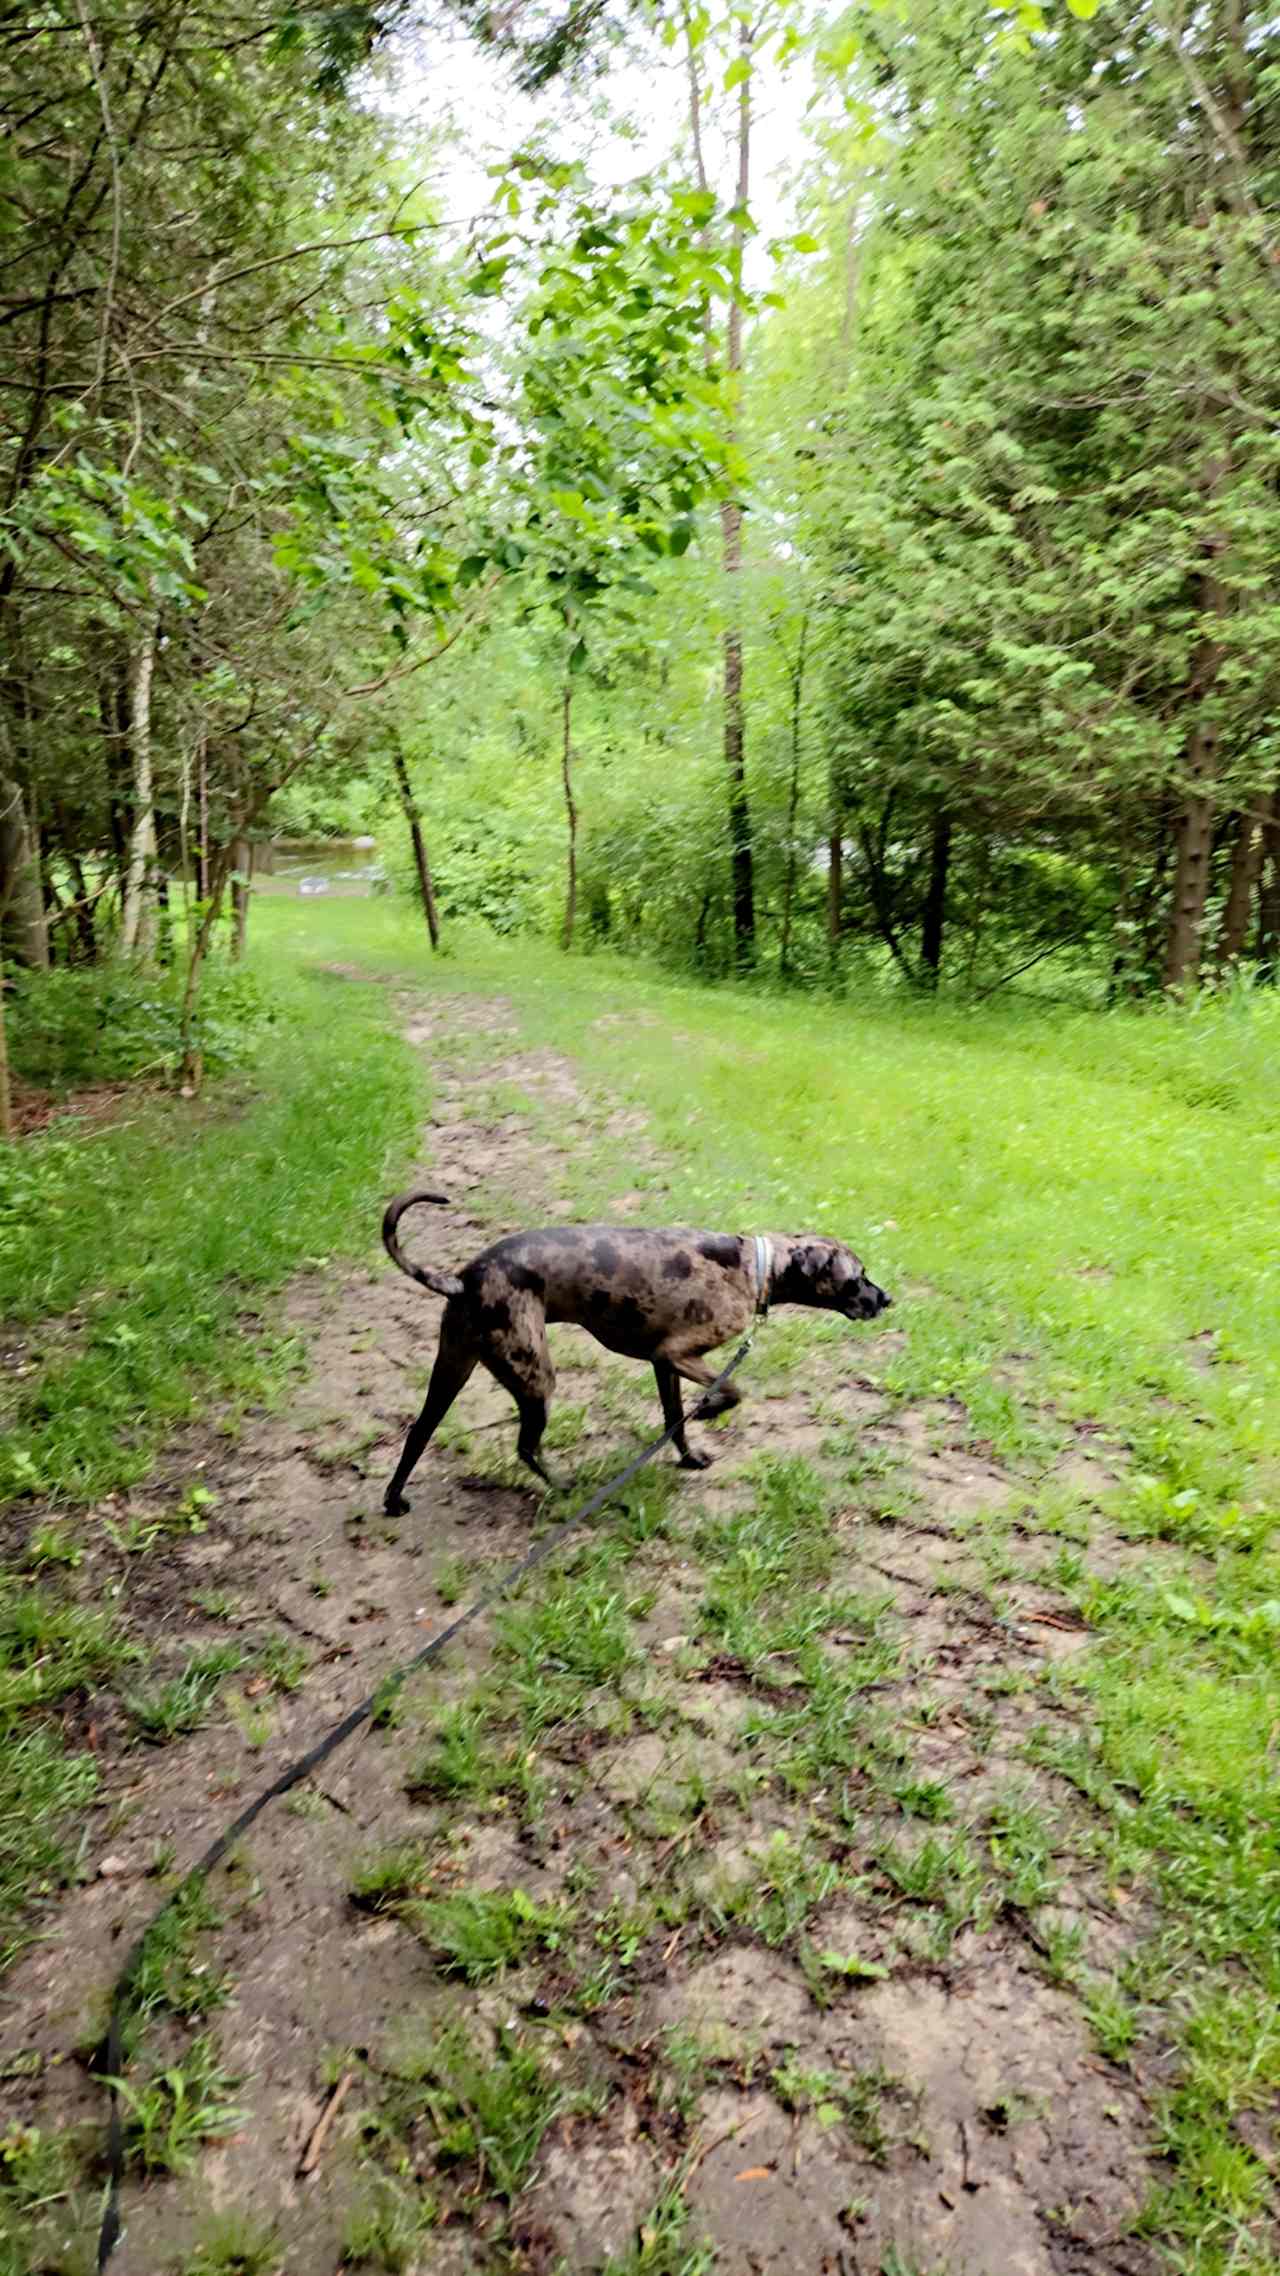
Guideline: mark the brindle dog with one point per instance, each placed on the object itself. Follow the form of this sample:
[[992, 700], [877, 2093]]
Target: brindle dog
[[664, 1297]]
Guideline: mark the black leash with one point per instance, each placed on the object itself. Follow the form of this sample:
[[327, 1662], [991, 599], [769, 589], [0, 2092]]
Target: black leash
[[304, 1764]]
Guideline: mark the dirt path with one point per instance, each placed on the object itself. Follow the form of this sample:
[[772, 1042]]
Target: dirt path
[[757, 1832]]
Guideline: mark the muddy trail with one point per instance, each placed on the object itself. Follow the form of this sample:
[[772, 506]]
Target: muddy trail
[[727, 1902]]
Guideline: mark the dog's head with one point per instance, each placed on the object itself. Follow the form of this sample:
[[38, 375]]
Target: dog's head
[[826, 1274]]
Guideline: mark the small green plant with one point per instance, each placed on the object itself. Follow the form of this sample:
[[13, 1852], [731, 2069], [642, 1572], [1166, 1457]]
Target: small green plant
[[169, 1710], [850, 2098], [171, 1977], [662, 2246], [1111, 2018], [235, 2243], [283, 1661], [790, 1881], [487, 2111], [388, 2222], [476, 1934], [53, 1544], [176, 2111], [384, 1878]]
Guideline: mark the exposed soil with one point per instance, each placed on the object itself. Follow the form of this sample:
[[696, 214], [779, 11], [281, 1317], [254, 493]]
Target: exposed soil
[[967, 2121]]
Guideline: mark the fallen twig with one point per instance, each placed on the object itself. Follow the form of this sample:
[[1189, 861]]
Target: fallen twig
[[319, 2133]]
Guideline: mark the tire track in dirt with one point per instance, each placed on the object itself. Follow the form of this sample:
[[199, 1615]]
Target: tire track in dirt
[[998, 2141]]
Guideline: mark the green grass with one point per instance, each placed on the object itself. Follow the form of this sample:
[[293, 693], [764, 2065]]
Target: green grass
[[1065, 1203], [160, 1236]]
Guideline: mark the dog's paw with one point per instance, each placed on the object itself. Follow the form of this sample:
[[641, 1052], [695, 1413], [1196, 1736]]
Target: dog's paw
[[394, 1505], [692, 1461]]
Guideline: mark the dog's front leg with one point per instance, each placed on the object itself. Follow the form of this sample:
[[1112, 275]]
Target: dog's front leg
[[673, 1416]]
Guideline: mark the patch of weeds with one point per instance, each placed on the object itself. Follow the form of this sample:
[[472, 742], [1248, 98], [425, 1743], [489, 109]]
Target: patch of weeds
[[387, 2223], [763, 1557], [924, 1798], [567, 1426], [825, 1972], [386, 1877], [573, 1642], [49, 1646], [486, 2110], [791, 1879], [283, 1661], [52, 1544], [686, 2063], [943, 1875], [1110, 2017], [35, 2174], [170, 2117], [40, 1785], [171, 1977], [216, 1603], [235, 2243], [819, 1732], [1021, 1843], [452, 1579], [169, 1710], [477, 1933], [663, 2246], [464, 1759], [850, 2098], [252, 1718], [1061, 1952]]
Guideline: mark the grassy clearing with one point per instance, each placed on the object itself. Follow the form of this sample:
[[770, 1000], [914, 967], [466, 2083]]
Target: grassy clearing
[[131, 1258], [1080, 1214], [1083, 1210], [134, 1263]]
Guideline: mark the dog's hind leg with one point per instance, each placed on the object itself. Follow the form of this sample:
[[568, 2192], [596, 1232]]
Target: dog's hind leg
[[673, 1416], [522, 1364], [455, 1362]]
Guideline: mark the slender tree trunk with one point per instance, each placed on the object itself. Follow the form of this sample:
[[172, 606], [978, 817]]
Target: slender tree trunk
[[1246, 867], [566, 771], [835, 877], [202, 823], [742, 861], [6, 1100], [935, 900], [191, 1066], [138, 913], [796, 675], [1269, 897], [241, 889], [1193, 830], [409, 808], [25, 927]]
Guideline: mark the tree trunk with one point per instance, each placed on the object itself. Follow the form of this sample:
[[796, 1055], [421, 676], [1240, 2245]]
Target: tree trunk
[[191, 1065], [566, 770], [935, 900], [1193, 830], [409, 807], [138, 914], [6, 1101], [1269, 897], [796, 676], [1246, 867], [241, 888], [742, 862], [202, 822], [23, 924], [835, 878]]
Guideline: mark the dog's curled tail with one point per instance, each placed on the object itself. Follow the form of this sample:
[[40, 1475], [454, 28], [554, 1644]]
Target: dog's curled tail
[[440, 1283]]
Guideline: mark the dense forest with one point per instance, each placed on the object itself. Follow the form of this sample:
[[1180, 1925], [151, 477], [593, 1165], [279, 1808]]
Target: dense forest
[[888, 596]]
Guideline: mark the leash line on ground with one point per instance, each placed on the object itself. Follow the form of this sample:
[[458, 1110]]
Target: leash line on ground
[[302, 1765]]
